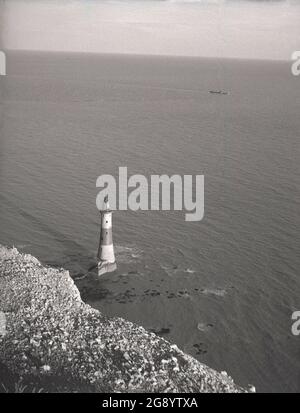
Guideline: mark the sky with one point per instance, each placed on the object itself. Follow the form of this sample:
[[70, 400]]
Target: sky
[[212, 28]]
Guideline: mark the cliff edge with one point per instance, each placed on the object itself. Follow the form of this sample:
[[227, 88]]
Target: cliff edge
[[47, 333]]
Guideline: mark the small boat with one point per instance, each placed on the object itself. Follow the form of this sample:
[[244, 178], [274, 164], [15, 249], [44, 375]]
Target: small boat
[[218, 92]]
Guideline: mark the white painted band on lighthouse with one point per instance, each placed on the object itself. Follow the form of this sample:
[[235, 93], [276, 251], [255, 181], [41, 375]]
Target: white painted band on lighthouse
[[106, 220], [107, 253]]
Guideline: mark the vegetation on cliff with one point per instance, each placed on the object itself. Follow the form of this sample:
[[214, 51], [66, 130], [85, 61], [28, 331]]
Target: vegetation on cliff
[[52, 340]]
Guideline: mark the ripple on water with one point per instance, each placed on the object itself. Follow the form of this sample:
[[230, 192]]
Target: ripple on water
[[211, 291], [128, 255]]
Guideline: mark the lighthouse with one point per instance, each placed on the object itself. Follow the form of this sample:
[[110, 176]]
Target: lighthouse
[[106, 255]]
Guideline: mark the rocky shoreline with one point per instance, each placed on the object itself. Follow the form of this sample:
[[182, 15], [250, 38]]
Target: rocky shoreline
[[49, 336]]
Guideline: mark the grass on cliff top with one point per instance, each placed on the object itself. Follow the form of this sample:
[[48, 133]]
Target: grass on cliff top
[[12, 383]]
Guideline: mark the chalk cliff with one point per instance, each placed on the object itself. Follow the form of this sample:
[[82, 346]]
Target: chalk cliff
[[48, 335]]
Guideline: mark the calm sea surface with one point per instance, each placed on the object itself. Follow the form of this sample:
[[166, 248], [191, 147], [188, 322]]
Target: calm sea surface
[[224, 288]]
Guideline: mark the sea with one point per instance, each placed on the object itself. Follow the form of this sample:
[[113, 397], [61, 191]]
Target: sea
[[223, 288]]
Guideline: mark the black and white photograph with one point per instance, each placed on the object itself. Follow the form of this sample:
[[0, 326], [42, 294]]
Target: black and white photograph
[[149, 200]]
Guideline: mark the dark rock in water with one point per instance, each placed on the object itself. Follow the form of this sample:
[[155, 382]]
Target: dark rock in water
[[160, 331], [53, 336], [204, 327], [200, 349]]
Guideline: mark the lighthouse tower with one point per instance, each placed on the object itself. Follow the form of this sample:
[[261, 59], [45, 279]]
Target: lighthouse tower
[[106, 255]]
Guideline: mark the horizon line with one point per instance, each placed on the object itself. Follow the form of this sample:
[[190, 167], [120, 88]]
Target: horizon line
[[153, 55]]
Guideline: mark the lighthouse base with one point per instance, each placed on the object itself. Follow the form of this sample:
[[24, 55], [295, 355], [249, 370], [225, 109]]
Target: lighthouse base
[[105, 266]]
